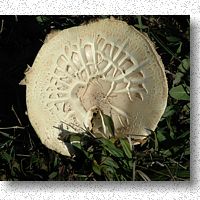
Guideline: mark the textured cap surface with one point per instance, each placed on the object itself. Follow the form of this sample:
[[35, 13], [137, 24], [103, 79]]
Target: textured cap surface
[[103, 68]]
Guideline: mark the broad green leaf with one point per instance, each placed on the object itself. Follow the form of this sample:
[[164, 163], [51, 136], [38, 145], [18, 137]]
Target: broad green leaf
[[89, 155], [108, 124], [42, 19], [179, 93], [169, 111], [160, 136], [111, 148], [183, 174], [173, 39], [179, 48], [184, 66], [39, 19], [53, 175], [76, 144], [130, 164], [178, 77], [75, 138], [109, 172], [126, 147], [96, 168], [110, 162]]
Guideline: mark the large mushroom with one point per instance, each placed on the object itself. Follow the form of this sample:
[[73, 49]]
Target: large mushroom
[[81, 74]]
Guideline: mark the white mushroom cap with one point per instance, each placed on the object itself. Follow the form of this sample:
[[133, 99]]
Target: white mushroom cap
[[106, 67]]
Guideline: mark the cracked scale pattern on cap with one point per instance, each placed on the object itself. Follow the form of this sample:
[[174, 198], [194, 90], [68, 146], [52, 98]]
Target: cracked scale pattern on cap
[[108, 65]]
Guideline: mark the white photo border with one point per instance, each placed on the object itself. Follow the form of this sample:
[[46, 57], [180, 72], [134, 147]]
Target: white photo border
[[118, 190]]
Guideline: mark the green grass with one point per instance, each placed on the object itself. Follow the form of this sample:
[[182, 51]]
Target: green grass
[[166, 154]]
